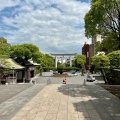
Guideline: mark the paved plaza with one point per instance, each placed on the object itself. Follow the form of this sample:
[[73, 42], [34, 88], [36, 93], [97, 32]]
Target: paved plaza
[[8, 91], [71, 102], [12, 104], [57, 101]]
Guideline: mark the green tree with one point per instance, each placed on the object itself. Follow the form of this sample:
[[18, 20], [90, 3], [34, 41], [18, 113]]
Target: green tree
[[4, 53], [98, 47], [101, 62], [4, 47], [80, 60], [60, 68], [107, 46], [114, 58], [46, 60], [24, 52], [104, 18]]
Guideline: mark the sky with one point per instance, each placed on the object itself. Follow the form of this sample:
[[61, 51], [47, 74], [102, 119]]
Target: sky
[[55, 26]]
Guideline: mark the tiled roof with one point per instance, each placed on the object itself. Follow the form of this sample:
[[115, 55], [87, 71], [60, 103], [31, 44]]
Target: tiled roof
[[10, 64]]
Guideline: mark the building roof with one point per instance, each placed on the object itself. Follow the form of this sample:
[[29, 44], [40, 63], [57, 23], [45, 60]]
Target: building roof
[[30, 62], [10, 64]]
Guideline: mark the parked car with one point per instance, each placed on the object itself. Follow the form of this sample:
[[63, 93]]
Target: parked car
[[90, 78], [55, 72], [74, 73]]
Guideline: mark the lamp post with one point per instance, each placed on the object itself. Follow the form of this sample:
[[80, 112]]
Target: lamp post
[[13, 72]]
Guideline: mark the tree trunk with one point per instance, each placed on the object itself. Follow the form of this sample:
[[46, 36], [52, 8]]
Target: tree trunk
[[104, 76]]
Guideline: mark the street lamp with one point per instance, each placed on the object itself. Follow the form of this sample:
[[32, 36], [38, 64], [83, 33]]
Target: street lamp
[[13, 72]]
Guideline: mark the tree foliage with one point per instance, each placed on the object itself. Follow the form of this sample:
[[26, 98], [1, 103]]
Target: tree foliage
[[100, 61], [114, 58], [46, 60], [4, 47], [24, 52], [60, 68], [104, 18], [80, 60], [107, 46]]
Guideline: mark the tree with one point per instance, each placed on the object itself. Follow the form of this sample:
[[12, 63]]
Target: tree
[[46, 60], [107, 46], [60, 68], [114, 58], [104, 18], [101, 62], [80, 60], [4, 53], [24, 52], [4, 47]]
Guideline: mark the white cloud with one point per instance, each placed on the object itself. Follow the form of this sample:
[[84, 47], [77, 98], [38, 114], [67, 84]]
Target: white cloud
[[8, 3], [54, 25]]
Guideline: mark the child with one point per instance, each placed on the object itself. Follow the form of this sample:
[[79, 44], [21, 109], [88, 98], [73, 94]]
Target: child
[[64, 81]]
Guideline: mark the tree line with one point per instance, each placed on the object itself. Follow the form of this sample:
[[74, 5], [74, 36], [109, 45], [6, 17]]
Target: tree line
[[23, 52]]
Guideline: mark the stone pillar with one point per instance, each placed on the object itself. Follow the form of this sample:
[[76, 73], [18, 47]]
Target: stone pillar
[[70, 61], [56, 61], [62, 60]]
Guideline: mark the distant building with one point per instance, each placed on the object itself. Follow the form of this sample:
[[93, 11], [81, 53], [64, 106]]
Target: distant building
[[88, 51], [85, 51], [97, 38], [18, 72]]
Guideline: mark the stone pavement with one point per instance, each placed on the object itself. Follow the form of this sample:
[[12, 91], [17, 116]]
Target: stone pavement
[[71, 102], [8, 91], [11, 106]]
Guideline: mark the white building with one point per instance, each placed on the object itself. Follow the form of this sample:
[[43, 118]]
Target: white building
[[97, 38]]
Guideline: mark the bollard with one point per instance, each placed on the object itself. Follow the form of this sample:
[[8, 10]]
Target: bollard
[[84, 82], [6, 83], [23, 80], [33, 81], [48, 82]]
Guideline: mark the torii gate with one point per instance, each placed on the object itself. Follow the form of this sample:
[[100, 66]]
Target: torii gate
[[56, 55]]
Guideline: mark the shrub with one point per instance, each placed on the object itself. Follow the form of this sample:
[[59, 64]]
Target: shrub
[[113, 81], [114, 58], [61, 68], [71, 68], [49, 68]]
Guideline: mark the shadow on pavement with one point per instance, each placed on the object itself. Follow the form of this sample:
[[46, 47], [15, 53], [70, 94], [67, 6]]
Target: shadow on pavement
[[92, 102], [100, 80]]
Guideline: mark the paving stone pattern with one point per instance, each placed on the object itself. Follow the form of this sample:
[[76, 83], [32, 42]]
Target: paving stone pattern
[[11, 106], [71, 102], [8, 91]]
